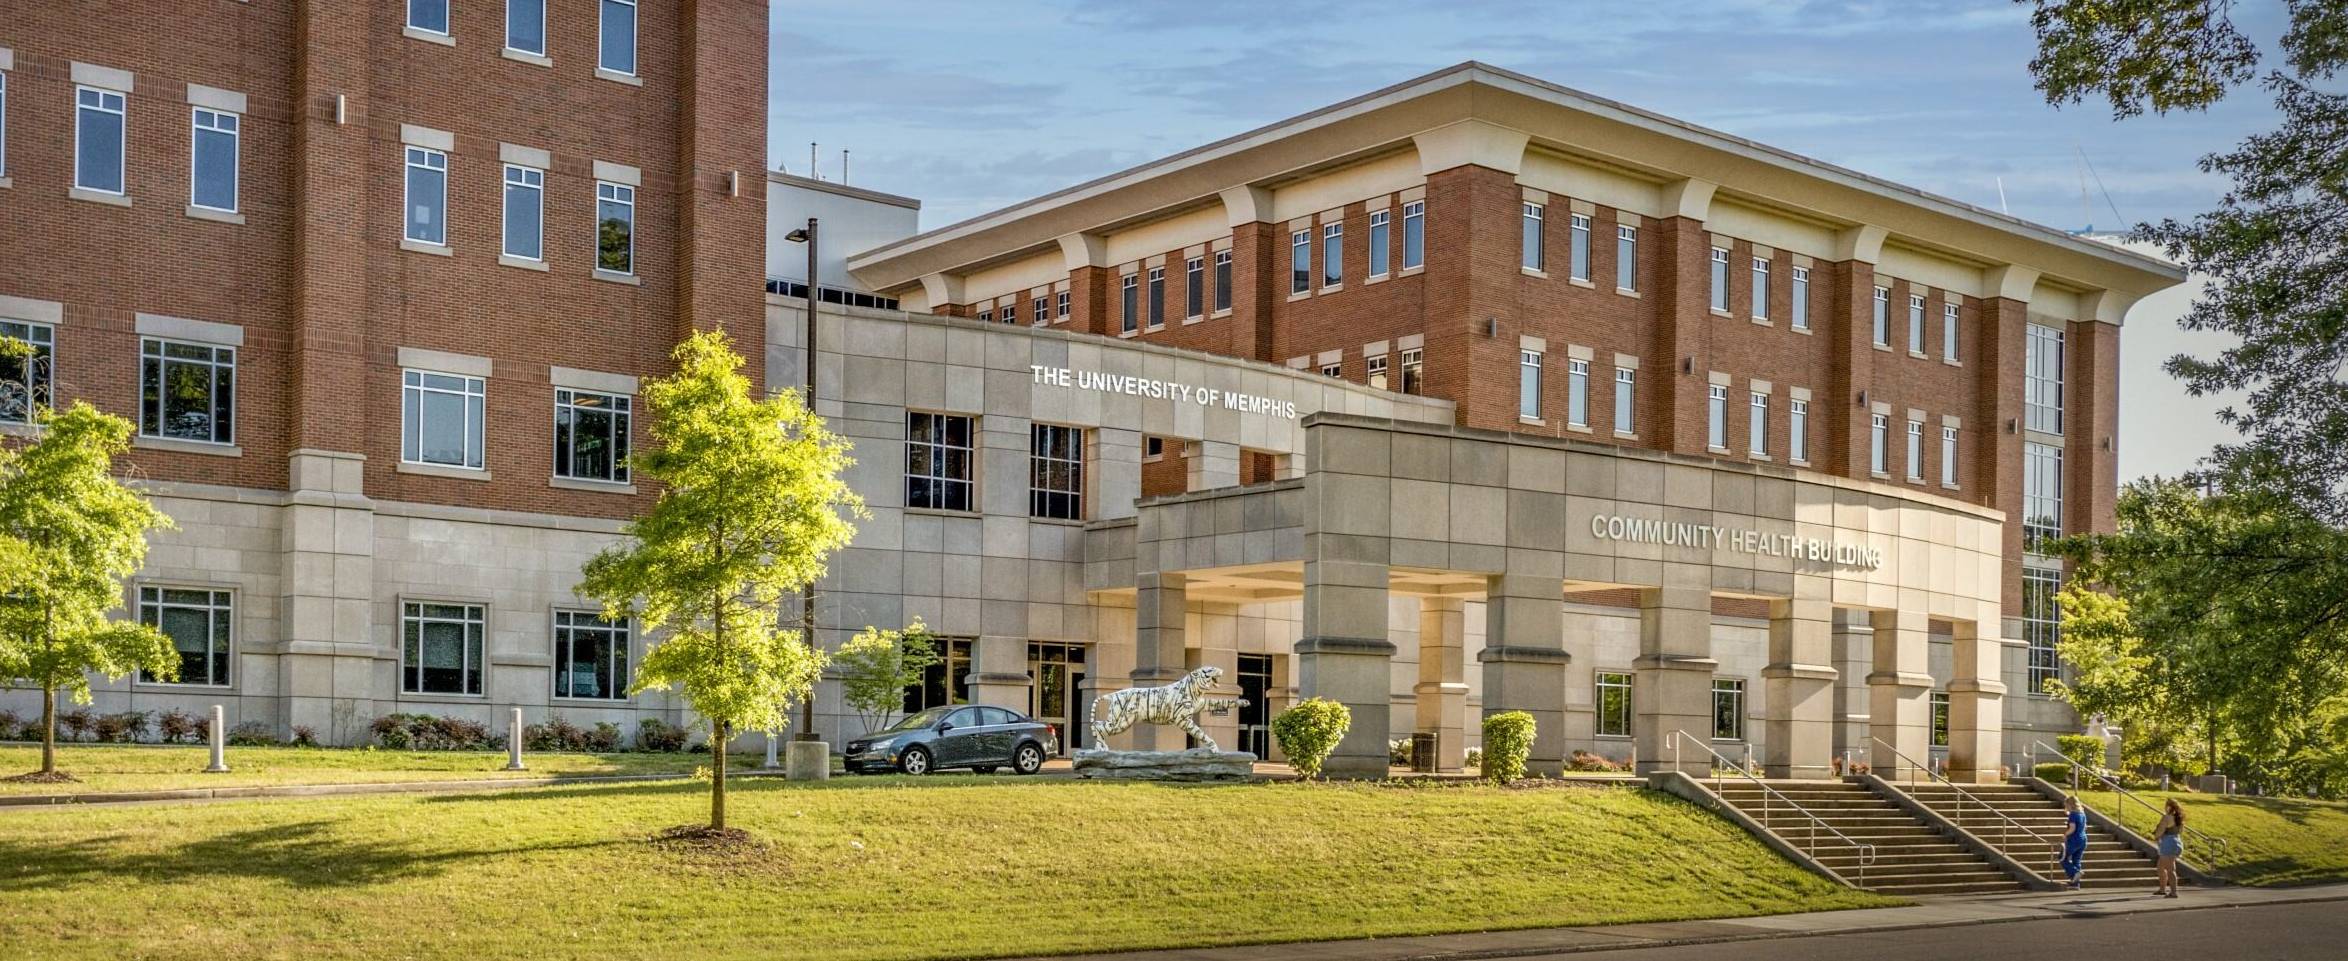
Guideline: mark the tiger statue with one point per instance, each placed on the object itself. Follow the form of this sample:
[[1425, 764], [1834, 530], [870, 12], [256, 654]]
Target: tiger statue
[[1177, 704]]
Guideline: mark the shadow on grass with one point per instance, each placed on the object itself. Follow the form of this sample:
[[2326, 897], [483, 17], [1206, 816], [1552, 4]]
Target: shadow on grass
[[306, 854], [736, 786]]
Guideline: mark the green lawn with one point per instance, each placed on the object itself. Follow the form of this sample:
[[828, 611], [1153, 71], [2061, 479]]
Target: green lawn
[[2270, 841], [867, 868], [115, 767]]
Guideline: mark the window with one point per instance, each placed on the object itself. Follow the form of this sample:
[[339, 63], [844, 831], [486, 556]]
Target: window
[[1948, 457], [946, 682], [1801, 318], [1878, 437], [1757, 426], [2042, 494], [1577, 393], [1626, 257], [525, 26], [1039, 312], [1528, 384], [441, 417], [198, 624], [1055, 472], [1797, 446], [1377, 371], [2042, 623], [440, 648], [1129, 293], [1578, 254], [1882, 317], [1532, 237], [1060, 306], [591, 435], [25, 378], [1152, 448], [1194, 273], [619, 37], [1300, 262], [1716, 412], [1948, 331], [212, 156], [1625, 386], [1157, 297], [1940, 718], [1760, 288], [590, 656], [1011, 312], [615, 228], [1414, 234], [1720, 279], [1414, 371], [938, 462], [1728, 709], [1614, 704], [1332, 254], [1916, 323], [525, 212], [428, 15], [986, 316], [1378, 243], [1333, 369], [98, 144], [427, 196], [1222, 281], [3, 123], [187, 391], [2042, 379], [1915, 450]]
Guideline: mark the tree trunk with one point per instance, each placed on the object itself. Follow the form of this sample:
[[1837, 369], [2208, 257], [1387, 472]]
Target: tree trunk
[[717, 792], [48, 730]]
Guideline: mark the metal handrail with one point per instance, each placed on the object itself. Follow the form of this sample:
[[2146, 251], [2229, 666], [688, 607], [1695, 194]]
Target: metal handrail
[[2004, 836], [2212, 840], [1866, 850]]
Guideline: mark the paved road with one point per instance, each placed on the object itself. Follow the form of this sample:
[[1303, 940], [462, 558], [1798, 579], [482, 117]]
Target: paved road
[[2281, 932]]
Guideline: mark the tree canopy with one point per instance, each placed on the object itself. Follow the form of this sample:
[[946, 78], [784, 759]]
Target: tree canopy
[[878, 664]]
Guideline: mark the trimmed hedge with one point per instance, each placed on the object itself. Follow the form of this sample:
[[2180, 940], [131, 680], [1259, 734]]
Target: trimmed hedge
[[1508, 741], [1309, 731]]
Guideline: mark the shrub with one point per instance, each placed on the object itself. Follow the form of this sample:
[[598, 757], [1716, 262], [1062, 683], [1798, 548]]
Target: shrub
[[1586, 761], [251, 734], [424, 732], [1851, 769], [1475, 758], [2053, 772], [604, 738], [304, 736], [654, 734], [1309, 731], [124, 728], [175, 726], [2085, 749], [558, 734], [1398, 752], [10, 724], [1508, 741], [75, 724]]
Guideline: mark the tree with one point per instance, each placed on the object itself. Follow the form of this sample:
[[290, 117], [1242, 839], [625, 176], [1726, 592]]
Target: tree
[[876, 666], [70, 533], [750, 508]]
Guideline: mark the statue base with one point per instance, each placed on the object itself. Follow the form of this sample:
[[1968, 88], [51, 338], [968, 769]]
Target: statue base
[[1196, 764]]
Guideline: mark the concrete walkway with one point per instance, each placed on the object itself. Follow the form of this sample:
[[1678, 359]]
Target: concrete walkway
[[1927, 913]]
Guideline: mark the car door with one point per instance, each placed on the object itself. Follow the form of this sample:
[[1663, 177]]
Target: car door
[[959, 744], [1002, 733]]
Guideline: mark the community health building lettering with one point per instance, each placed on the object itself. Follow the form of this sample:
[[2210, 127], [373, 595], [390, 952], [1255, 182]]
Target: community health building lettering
[[1615, 527]]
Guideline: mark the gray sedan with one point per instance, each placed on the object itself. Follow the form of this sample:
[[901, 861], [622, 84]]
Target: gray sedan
[[978, 737]]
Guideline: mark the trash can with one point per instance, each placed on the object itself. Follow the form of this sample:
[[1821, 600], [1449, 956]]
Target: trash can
[[1425, 747]]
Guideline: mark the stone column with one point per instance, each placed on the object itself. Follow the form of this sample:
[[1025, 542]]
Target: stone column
[[998, 672], [1160, 650], [1210, 464], [1854, 645], [1977, 702], [1899, 689], [326, 668], [1524, 660], [1442, 688], [1345, 656], [1673, 692], [1799, 684]]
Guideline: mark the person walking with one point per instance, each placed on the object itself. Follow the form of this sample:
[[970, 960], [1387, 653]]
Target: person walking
[[2170, 837], [2074, 841]]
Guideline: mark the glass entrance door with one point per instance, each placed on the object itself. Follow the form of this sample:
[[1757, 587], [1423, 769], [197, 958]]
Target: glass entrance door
[[1053, 671], [1255, 720]]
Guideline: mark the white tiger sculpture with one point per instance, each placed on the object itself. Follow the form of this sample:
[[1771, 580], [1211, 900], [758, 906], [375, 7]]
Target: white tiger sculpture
[[1177, 704]]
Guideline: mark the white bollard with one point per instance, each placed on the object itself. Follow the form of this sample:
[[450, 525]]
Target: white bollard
[[770, 764], [219, 743], [513, 744]]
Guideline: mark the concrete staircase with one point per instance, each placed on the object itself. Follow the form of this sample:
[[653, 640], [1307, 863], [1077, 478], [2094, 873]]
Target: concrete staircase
[[2110, 862], [1911, 858]]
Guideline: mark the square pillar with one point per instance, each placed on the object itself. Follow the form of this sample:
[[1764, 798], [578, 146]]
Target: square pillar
[[1160, 650], [1211, 464], [1899, 691], [1524, 661], [1442, 689], [1673, 692], [1854, 647], [998, 672], [1345, 656], [1799, 685], [1977, 703]]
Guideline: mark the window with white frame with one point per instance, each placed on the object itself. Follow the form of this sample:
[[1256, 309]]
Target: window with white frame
[[1797, 448], [1129, 298], [1948, 456], [1757, 425], [1055, 472], [1414, 234], [440, 648], [1039, 312], [525, 26], [1878, 438], [1532, 252], [2042, 624], [1375, 368], [1720, 279], [1060, 306], [442, 418], [1332, 254], [1379, 242], [1414, 371], [3, 123], [1939, 702], [1716, 414], [1194, 282], [199, 624], [617, 45], [187, 391], [1578, 249], [1300, 262], [1728, 709], [590, 656], [1528, 383], [1334, 368], [1614, 704], [525, 212], [99, 139], [615, 228], [591, 435], [1157, 297], [1916, 323], [2042, 494], [430, 16], [1915, 450], [1801, 298], [427, 196], [986, 316], [1011, 311], [1948, 331], [1626, 257], [1577, 392], [212, 160], [1760, 288], [2042, 379], [1882, 328], [1222, 281], [939, 467], [25, 373], [1625, 391]]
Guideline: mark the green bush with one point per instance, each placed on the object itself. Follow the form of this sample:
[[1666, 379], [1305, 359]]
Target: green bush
[[2085, 749], [1475, 758], [250, 734], [1398, 752], [424, 732], [2053, 772], [1309, 731], [654, 734], [1508, 741]]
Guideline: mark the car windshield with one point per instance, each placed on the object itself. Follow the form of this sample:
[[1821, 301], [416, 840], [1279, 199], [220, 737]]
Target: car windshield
[[924, 719]]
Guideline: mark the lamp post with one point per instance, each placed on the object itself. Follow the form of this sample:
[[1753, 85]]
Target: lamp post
[[809, 758]]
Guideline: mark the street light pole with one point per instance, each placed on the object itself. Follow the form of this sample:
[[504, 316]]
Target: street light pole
[[807, 235]]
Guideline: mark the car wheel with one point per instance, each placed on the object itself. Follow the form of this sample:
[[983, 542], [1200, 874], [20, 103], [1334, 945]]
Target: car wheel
[[915, 761], [1029, 760]]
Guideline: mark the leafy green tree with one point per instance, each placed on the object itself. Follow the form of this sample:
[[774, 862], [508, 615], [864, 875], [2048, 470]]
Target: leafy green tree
[[70, 533], [751, 506], [2110, 672], [877, 665]]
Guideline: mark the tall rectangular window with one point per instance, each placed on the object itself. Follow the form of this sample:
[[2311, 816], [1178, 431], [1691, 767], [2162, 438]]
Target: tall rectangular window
[[1332, 254], [1882, 317], [938, 462], [427, 196], [187, 391], [2042, 624], [1797, 447], [1039, 312], [1414, 234], [1380, 240], [1578, 254], [1625, 389], [1948, 456], [590, 656], [212, 160], [1757, 425], [1626, 257], [591, 435], [1129, 297], [615, 228], [525, 26], [1760, 288], [1532, 252], [1878, 438], [618, 41], [1716, 413], [1528, 383], [1060, 306], [1801, 292], [98, 139], [1916, 323], [525, 212], [2042, 494], [1414, 371], [1915, 450], [1577, 393], [3, 123], [1194, 283], [1011, 311], [1300, 261], [2042, 379], [1375, 370], [442, 419], [1614, 704], [1222, 280], [430, 16], [25, 374], [199, 624], [1720, 279], [1940, 718], [1055, 472], [1948, 331], [1157, 297], [1728, 709], [440, 648]]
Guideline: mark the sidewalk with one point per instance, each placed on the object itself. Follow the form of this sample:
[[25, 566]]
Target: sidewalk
[[1928, 913]]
